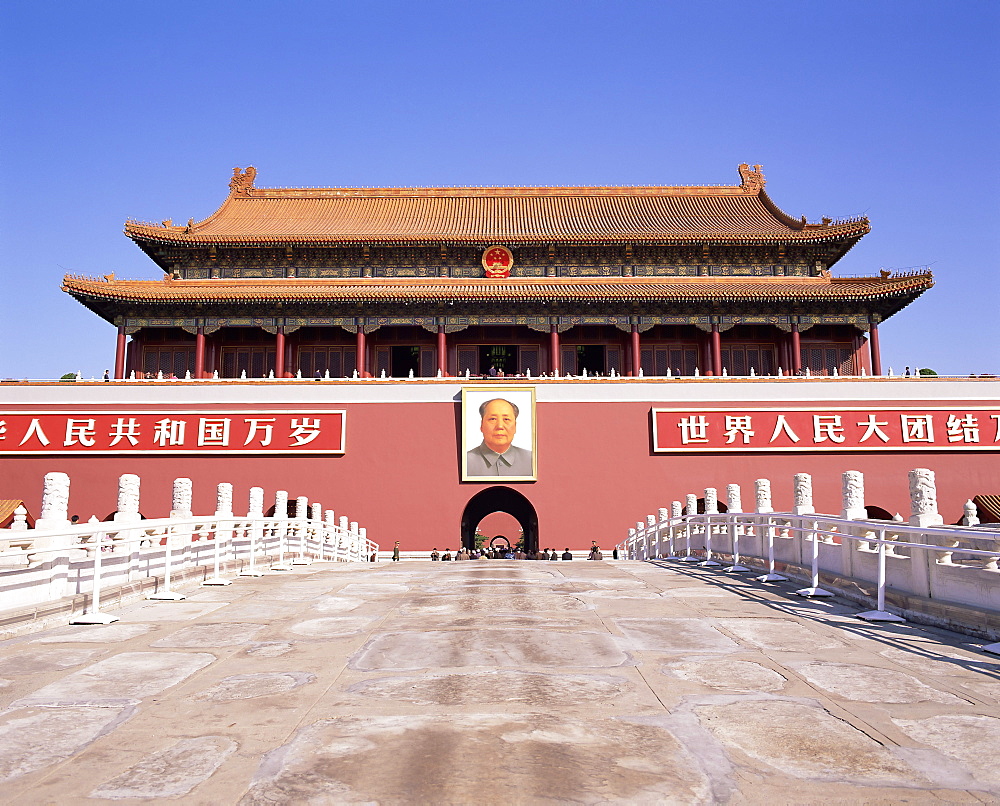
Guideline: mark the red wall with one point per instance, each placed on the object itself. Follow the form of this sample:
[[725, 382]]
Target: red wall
[[597, 475]]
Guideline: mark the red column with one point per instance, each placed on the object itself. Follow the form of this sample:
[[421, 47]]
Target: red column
[[120, 354], [199, 353], [636, 355], [876, 352], [796, 351], [716, 350], [362, 369], [442, 351], [554, 350], [705, 354], [279, 352]]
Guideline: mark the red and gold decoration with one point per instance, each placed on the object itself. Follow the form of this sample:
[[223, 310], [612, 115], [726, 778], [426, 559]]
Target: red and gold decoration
[[498, 261]]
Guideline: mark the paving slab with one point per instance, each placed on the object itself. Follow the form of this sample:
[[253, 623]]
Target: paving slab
[[498, 682]]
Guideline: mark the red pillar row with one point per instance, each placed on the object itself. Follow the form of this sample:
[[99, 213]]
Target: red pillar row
[[442, 351], [716, 350], [279, 352], [796, 351], [120, 354], [636, 355], [199, 353], [875, 350], [361, 349], [554, 350]]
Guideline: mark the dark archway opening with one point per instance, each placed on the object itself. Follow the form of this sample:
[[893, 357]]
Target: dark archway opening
[[500, 499]]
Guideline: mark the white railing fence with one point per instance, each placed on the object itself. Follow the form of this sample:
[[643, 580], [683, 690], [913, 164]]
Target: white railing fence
[[922, 558], [58, 558]]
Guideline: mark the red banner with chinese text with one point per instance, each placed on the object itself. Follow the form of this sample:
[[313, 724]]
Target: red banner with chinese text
[[826, 429], [172, 431]]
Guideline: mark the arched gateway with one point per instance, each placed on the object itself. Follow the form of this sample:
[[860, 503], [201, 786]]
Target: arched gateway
[[500, 499]]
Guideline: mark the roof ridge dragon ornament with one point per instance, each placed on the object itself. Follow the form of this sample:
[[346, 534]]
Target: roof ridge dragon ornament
[[242, 183], [753, 180]]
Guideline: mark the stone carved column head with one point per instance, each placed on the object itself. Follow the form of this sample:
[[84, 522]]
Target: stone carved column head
[[301, 507], [676, 509], [354, 527], [651, 521], [317, 512], [631, 533], [711, 501], [762, 492], [20, 523], [329, 519], [663, 514], [923, 498], [256, 501], [803, 489], [853, 488], [342, 521], [281, 504], [128, 494], [734, 500], [691, 507], [224, 499], [55, 497], [180, 504], [971, 516]]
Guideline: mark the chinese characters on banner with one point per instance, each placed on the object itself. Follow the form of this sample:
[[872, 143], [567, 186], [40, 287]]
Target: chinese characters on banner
[[837, 429], [173, 431]]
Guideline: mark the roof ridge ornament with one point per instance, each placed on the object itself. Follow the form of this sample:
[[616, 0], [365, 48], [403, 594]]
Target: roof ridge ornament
[[242, 183], [753, 180]]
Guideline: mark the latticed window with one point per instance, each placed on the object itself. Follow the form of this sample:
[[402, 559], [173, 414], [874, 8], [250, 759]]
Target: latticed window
[[256, 362], [171, 361], [822, 359], [739, 359], [317, 361], [679, 360]]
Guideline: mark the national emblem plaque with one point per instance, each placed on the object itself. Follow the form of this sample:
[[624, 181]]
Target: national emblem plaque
[[497, 261]]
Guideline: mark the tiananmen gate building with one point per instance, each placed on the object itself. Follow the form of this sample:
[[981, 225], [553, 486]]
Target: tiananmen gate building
[[397, 281], [422, 358]]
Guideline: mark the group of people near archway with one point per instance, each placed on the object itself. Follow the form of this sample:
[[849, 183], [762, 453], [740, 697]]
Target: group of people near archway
[[507, 552]]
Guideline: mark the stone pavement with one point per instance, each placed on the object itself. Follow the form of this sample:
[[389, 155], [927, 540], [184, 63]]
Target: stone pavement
[[497, 682]]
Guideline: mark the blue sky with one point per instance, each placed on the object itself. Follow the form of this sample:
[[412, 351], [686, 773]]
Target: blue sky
[[115, 110]]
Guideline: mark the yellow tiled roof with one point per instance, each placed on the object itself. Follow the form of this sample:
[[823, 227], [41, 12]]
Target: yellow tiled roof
[[528, 289], [486, 215]]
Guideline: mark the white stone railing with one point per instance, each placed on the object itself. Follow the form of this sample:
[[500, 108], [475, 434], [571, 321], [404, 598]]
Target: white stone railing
[[923, 558], [58, 558]]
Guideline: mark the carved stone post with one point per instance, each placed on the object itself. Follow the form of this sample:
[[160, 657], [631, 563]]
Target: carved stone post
[[180, 502], [329, 525], [301, 507], [762, 492], [20, 523], [675, 509], [711, 501], [632, 549], [224, 499], [55, 502], [281, 504], [316, 512], [256, 503], [734, 500], [971, 517], [803, 495], [853, 488], [128, 498], [691, 507], [923, 498]]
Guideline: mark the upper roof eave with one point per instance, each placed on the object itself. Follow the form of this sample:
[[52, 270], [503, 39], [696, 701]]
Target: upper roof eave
[[482, 216]]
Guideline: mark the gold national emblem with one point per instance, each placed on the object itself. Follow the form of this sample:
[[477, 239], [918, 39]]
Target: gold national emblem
[[497, 261]]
